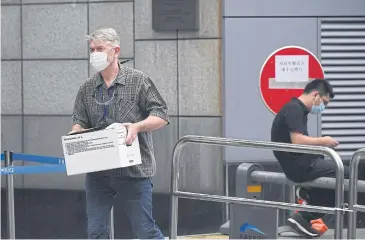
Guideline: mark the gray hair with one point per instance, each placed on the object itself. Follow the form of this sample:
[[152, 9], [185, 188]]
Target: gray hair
[[105, 35]]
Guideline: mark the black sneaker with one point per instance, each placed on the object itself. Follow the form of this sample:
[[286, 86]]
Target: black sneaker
[[297, 222], [303, 195]]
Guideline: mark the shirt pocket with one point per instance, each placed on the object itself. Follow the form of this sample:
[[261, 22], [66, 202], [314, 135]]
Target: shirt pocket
[[127, 111]]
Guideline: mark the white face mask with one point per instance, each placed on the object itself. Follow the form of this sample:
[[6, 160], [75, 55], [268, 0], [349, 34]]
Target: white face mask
[[99, 60]]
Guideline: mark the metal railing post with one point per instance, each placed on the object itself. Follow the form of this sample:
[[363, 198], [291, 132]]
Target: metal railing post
[[289, 191], [354, 171], [226, 213], [339, 191], [174, 186], [10, 195], [112, 236], [174, 194]]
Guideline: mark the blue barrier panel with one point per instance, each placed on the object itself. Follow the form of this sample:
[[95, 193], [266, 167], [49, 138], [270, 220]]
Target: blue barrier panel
[[53, 164], [38, 159], [35, 158], [47, 168]]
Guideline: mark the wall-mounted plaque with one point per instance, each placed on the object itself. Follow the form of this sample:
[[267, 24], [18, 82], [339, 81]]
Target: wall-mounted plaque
[[168, 15]]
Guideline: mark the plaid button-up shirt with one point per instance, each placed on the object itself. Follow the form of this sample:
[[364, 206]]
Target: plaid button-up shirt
[[132, 97]]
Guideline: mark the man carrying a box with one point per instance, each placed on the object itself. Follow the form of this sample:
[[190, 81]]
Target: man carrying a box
[[120, 94]]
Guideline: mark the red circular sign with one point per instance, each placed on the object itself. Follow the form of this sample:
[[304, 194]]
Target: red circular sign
[[292, 63]]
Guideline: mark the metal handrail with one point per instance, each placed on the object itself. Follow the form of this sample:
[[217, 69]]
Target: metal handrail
[[322, 182], [354, 171], [175, 194]]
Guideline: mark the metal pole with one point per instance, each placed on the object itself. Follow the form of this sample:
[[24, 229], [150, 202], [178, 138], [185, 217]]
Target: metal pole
[[322, 182], [291, 195], [174, 187], [227, 193], [339, 190], [258, 203], [284, 214], [354, 165], [112, 223], [10, 195]]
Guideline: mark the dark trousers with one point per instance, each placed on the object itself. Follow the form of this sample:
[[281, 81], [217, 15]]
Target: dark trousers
[[321, 196], [136, 197]]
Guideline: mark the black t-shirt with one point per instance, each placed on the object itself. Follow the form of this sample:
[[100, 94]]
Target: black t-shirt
[[293, 117]]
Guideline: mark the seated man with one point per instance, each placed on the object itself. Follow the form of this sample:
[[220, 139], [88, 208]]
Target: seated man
[[290, 126]]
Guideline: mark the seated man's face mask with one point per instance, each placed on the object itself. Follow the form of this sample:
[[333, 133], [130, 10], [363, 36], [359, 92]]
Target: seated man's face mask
[[316, 109]]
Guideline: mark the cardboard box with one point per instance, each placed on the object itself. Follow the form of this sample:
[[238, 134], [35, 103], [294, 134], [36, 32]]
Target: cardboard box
[[100, 150]]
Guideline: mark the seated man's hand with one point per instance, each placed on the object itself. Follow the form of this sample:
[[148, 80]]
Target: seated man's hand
[[329, 142]]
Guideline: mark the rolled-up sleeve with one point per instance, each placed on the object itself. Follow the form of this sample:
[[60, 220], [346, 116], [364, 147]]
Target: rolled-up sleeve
[[151, 100], [79, 115]]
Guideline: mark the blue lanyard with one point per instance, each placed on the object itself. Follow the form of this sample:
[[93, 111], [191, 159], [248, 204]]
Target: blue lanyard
[[106, 107]]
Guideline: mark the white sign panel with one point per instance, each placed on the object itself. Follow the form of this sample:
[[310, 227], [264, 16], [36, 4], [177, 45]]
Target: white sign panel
[[291, 68]]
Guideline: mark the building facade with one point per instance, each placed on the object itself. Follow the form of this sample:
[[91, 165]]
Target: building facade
[[209, 79]]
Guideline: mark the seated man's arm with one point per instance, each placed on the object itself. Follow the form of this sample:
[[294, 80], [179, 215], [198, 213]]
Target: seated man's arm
[[296, 126], [299, 138]]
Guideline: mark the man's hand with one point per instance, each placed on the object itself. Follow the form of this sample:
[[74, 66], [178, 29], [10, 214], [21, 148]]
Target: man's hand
[[329, 142], [132, 133], [76, 128]]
